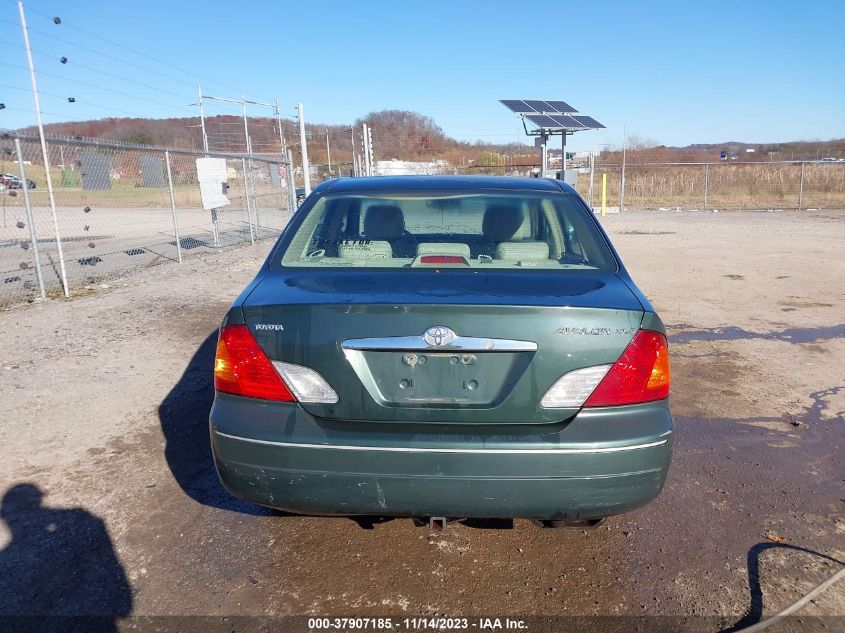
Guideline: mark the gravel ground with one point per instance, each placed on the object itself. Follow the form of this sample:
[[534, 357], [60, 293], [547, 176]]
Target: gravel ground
[[106, 399]]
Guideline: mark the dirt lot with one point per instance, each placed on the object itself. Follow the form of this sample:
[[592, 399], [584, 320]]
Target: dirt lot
[[106, 400]]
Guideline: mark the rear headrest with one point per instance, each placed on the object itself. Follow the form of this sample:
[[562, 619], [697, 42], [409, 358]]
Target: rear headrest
[[359, 250], [501, 222], [522, 251], [384, 222]]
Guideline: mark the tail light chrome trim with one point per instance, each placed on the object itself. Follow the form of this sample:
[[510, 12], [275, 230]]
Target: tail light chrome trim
[[438, 338]]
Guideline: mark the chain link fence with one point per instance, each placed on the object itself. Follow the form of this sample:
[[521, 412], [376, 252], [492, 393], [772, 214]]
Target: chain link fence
[[122, 208], [726, 185]]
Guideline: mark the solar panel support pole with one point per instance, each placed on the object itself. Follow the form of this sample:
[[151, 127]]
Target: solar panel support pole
[[544, 153], [563, 155]]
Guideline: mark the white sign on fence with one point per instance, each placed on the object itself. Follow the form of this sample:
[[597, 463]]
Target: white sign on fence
[[212, 175]]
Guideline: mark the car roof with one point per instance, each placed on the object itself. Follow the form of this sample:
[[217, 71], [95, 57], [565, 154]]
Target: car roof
[[440, 183]]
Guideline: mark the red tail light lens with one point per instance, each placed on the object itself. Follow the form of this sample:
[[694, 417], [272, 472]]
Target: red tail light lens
[[241, 367], [640, 375], [443, 259]]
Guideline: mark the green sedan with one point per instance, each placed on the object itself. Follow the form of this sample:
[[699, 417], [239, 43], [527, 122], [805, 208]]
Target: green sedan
[[439, 348]]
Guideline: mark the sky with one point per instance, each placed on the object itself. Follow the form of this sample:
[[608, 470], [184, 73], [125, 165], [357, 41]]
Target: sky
[[673, 72]]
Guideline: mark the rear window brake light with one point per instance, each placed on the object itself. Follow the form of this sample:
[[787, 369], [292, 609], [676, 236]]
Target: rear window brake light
[[443, 259]]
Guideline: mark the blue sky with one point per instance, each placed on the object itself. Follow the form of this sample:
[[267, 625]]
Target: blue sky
[[676, 72]]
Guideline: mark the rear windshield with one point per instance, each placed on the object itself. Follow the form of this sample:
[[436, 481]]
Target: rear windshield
[[486, 230]]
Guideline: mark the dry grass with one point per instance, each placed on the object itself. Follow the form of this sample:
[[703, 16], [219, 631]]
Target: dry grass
[[729, 186]]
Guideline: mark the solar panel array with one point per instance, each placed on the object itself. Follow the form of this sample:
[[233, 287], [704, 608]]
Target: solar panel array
[[534, 106], [555, 115]]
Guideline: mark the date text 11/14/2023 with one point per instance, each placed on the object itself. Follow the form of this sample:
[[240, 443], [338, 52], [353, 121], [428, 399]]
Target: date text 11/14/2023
[[415, 624]]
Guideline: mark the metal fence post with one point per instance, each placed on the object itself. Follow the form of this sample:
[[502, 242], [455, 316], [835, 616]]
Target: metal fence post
[[33, 238], [592, 173], [246, 196], [603, 194], [706, 174], [622, 187], [255, 205], [801, 188], [291, 183], [173, 207]]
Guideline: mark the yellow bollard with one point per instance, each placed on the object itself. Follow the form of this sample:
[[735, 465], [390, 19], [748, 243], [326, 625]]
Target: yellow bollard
[[603, 194]]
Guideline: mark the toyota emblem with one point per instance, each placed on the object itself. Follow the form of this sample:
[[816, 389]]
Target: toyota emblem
[[438, 336]]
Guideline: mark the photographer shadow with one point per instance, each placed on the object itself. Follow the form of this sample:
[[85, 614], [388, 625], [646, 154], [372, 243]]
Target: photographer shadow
[[59, 572]]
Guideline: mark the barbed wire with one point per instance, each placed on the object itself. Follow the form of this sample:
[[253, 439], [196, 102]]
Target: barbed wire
[[109, 56], [168, 64], [75, 100], [72, 64], [104, 89]]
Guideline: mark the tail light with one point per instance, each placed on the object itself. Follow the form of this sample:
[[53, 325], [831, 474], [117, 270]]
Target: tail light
[[241, 367], [640, 375]]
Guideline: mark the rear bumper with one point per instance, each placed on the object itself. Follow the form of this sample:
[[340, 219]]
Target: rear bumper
[[278, 455]]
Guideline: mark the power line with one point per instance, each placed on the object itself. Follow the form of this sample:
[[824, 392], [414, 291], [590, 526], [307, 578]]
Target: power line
[[31, 111], [101, 72], [88, 103], [95, 86], [139, 53], [108, 56]]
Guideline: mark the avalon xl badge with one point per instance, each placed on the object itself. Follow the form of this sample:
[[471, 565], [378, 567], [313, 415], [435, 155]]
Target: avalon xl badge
[[438, 336]]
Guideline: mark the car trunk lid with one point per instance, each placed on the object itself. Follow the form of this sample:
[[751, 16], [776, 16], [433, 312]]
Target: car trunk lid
[[442, 347]]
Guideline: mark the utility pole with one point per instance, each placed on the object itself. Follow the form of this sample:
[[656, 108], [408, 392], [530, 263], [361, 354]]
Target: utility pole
[[369, 165], [282, 143], [372, 164], [306, 168], [202, 122], [44, 151], [354, 169], [246, 126], [328, 152], [366, 156]]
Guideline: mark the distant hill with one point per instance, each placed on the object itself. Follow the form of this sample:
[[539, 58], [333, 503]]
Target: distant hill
[[403, 135], [397, 134]]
